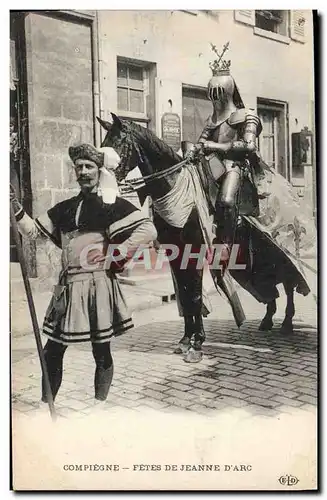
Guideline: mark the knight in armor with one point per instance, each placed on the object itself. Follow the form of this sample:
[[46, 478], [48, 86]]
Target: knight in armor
[[230, 161]]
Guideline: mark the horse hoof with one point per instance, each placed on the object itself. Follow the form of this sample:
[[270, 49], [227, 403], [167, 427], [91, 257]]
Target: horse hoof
[[286, 329], [182, 348], [193, 356], [198, 345], [266, 325]]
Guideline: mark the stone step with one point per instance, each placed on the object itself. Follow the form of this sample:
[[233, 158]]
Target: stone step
[[136, 280], [137, 300], [157, 286], [162, 285]]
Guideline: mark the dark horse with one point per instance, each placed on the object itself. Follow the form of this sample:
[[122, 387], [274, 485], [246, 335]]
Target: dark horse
[[138, 146]]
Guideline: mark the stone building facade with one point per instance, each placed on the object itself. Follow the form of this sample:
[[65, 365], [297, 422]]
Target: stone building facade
[[153, 66]]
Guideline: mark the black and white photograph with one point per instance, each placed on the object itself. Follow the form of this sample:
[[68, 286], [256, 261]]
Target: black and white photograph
[[163, 250]]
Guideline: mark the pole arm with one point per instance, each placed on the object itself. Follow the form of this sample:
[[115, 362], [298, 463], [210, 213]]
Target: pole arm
[[31, 306]]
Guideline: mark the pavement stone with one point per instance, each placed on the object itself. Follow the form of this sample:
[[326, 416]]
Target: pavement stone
[[308, 399]]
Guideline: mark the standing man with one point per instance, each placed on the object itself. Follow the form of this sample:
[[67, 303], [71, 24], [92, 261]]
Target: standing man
[[228, 144], [88, 304]]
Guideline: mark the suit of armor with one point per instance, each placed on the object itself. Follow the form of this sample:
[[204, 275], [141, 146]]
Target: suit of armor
[[228, 143]]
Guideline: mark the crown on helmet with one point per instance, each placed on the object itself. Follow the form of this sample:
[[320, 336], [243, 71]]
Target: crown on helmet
[[220, 66]]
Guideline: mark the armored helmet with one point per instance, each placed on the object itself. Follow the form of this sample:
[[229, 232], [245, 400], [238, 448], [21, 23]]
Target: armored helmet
[[222, 86]]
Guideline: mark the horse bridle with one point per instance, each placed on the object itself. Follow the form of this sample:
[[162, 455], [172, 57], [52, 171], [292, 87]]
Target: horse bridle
[[124, 147], [127, 144]]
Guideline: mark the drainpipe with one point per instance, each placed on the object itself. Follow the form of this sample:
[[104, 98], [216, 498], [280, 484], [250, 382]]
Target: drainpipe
[[96, 78]]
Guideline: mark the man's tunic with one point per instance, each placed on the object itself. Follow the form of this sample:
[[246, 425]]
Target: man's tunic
[[88, 304]]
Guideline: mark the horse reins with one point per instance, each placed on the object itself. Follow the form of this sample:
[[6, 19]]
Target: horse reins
[[138, 182]]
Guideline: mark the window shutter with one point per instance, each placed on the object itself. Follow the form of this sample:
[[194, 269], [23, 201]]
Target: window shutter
[[298, 25], [245, 16]]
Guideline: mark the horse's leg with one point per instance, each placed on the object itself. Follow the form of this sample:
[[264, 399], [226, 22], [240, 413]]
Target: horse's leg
[[179, 278], [192, 235], [171, 236], [185, 343], [267, 322], [287, 325], [199, 336], [199, 333], [195, 354]]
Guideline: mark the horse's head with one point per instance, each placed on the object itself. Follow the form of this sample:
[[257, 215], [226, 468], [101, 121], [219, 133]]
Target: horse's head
[[120, 137], [138, 146]]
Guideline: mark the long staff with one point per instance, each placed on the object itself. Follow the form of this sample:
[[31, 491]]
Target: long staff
[[31, 306]]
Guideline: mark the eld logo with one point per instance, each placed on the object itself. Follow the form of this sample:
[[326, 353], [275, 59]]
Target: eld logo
[[288, 480]]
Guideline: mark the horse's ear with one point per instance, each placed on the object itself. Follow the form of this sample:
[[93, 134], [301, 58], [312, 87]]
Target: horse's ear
[[105, 124], [112, 120], [116, 120]]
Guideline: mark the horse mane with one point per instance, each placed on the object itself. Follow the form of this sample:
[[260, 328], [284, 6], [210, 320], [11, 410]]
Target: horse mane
[[153, 146]]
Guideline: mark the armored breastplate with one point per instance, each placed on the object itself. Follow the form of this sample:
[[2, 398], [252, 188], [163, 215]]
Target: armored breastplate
[[224, 133]]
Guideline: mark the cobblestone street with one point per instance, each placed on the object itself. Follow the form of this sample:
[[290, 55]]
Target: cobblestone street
[[265, 373]]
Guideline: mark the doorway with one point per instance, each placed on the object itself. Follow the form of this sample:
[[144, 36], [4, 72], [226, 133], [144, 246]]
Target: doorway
[[273, 142], [196, 109]]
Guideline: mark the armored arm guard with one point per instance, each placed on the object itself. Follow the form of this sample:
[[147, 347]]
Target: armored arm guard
[[197, 149], [252, 130], [205, 134]]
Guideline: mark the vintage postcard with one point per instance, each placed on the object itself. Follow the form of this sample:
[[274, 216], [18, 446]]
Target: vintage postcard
[[163, 250]]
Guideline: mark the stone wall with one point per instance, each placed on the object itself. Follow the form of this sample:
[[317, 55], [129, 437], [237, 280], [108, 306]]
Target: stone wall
[[60, 104]]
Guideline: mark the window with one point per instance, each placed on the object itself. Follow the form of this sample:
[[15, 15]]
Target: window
[[136, 102], [130, 86], [136, 91], [132, 89], [280, 25], [274, 21], [272, 141]]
